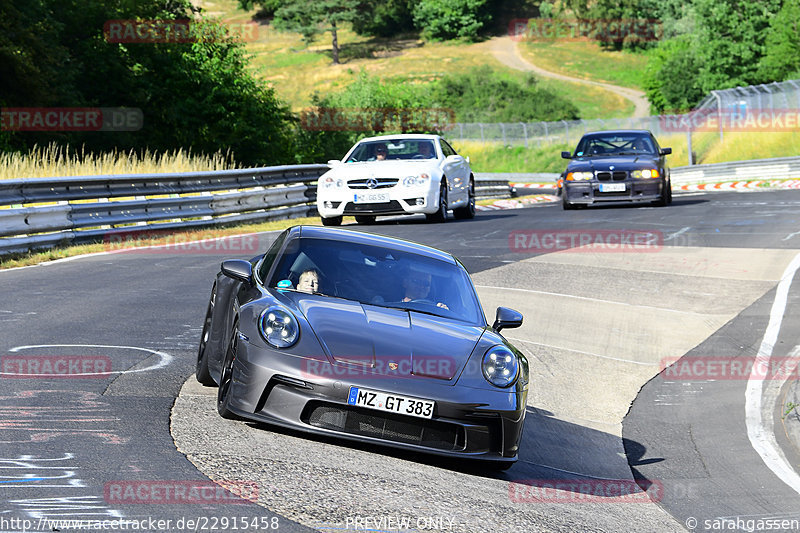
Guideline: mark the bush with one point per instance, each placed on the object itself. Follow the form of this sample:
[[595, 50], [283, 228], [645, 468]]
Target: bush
[[481, 95]]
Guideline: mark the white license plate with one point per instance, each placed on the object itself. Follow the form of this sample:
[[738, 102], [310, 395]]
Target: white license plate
[[393, 403], [612, 187], [371, 198]]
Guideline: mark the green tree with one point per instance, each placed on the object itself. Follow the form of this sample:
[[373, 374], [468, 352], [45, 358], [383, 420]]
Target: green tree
[[385, 18], [671, 78], [782, 58], [198, 95], [312, 18], [733, 35], [452, 19]]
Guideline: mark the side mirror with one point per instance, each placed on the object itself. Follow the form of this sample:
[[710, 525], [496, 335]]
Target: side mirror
[[334, 162], [665, 151], [467, 159], [566, 155], [453, 159], [506, 318], [238, 269]]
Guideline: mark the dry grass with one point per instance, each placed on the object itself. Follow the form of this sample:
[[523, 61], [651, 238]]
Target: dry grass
[[54, 161]]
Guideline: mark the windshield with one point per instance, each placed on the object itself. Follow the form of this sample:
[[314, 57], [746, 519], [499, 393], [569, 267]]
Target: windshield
[[393, 149], [615, 144], [378, 276]]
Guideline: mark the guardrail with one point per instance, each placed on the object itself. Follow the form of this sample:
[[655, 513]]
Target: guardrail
[[45, 212], [779, 168]]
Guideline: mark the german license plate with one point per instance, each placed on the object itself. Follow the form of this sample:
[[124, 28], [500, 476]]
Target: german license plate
[[394, 403], [612, 187], [371, 198]]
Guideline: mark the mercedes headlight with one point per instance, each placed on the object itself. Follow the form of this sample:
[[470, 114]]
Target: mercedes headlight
[[645, 173], [576, 176], [278, 327], [412, 181], [500, 366]]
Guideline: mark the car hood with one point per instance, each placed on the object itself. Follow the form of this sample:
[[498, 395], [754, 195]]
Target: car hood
[[628, 162], [390, 341], [381, 169]]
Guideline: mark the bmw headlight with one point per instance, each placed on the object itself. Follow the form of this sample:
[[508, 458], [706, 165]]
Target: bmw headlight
[[645, 173], [278, 327], [332, 183], [500, 366], [412, 181], [577, 176]]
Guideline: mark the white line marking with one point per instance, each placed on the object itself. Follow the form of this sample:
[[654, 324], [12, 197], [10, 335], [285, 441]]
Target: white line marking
[[584, 353], [586, 298], [165, 358], [791, 235], [762, 436], [681, 232]]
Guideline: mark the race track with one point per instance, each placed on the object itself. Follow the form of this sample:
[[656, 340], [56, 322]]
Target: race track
[[601, 320]]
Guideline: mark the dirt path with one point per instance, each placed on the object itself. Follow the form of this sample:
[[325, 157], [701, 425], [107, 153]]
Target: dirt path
[[506, 51]]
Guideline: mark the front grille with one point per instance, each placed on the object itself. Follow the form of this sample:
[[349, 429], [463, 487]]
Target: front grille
[[617, 175], [384, 207], [387, 426], [383, 183]]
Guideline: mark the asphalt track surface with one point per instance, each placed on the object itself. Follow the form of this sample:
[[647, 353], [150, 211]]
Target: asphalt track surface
[[599, 323]]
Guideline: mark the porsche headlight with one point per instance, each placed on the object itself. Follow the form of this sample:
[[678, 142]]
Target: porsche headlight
[[412, 181], [500, 366], [278, 327], [576, 176], [645, 173], [332, 183]]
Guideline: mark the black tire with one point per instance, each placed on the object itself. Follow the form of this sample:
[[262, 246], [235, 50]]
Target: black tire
[[566, 204], [468, 211], [201, 372], [365, 220], [226, 377], [332, 221], [666, 196], [441, 214]]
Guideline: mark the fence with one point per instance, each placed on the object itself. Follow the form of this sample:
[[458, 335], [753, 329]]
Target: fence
[[723, 110], [45, 212]]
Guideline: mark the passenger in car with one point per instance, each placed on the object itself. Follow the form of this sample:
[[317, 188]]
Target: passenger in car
[[308, 282], [417, 286]]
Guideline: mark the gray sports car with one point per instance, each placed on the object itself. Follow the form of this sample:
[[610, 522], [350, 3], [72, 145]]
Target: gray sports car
[[365, 337]]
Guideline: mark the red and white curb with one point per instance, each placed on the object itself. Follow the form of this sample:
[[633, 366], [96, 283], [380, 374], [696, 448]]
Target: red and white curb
[[742, 185], [517, 203]]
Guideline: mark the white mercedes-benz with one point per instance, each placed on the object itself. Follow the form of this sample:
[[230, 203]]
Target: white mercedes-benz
[[395, 175]]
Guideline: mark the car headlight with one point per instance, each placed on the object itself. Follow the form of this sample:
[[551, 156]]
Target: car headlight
[[332, 183], [412, 181], [500, 366], [278, 327], [645, 173], [576, 176]]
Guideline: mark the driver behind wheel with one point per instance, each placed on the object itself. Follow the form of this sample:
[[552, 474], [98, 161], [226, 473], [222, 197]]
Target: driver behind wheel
[[417, 286]]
